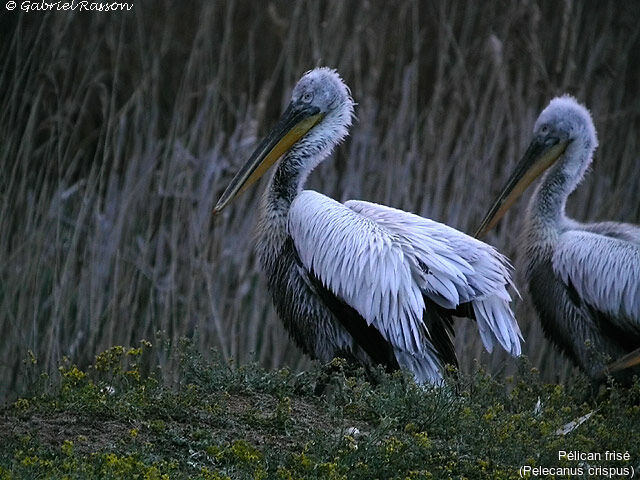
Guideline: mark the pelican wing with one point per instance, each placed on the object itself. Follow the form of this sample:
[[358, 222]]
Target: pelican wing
[[462, 270], [384, 263], [605, 272]]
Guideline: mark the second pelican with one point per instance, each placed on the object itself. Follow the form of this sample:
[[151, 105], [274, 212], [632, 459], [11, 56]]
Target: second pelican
[[584, 278], [358, 280]]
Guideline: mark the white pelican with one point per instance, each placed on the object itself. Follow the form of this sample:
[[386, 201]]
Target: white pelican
[[584, 278], [365, 282]]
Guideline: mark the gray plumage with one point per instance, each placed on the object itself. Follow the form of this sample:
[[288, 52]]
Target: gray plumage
[[363, 281], [584, 279]]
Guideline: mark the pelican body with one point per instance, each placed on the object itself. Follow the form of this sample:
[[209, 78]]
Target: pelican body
[[584, 278], [366, 282]]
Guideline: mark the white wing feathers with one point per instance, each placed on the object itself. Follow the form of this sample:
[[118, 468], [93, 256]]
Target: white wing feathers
[[381, 261], [462, 269], [362, 264], [605, 272]]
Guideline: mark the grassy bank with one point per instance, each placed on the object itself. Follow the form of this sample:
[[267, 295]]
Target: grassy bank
[[113, 420]]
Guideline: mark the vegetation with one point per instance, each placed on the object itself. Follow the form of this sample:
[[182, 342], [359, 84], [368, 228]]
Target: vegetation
[[221, 421]]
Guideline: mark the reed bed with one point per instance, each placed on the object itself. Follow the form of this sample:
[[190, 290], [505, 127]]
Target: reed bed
[[120, 130]]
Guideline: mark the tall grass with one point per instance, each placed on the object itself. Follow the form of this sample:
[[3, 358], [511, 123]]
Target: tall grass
[[119, 131]]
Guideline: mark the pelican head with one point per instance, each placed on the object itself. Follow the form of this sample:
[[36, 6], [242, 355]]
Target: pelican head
[[563, 134], [316, 119]]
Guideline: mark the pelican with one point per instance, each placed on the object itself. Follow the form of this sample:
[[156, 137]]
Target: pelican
[[361, 281], [584, 278]]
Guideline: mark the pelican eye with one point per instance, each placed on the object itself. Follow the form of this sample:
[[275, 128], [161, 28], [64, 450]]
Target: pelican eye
[[307, 97]]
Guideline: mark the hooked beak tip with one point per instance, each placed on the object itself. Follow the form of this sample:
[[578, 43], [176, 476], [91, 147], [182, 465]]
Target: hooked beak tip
[[217, 209]]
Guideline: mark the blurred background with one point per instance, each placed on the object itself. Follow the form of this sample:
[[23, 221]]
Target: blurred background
[[120, 130]]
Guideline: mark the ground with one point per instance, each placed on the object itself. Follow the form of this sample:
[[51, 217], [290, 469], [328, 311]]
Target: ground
[[110, 420]]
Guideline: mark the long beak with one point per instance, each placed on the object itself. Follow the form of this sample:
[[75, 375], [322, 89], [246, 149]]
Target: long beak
[[629, 360], [540, 155], [297, 120]]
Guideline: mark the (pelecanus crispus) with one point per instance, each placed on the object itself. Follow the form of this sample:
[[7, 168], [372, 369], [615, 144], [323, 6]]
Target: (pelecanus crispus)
[[584, 278], [362, 281]]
